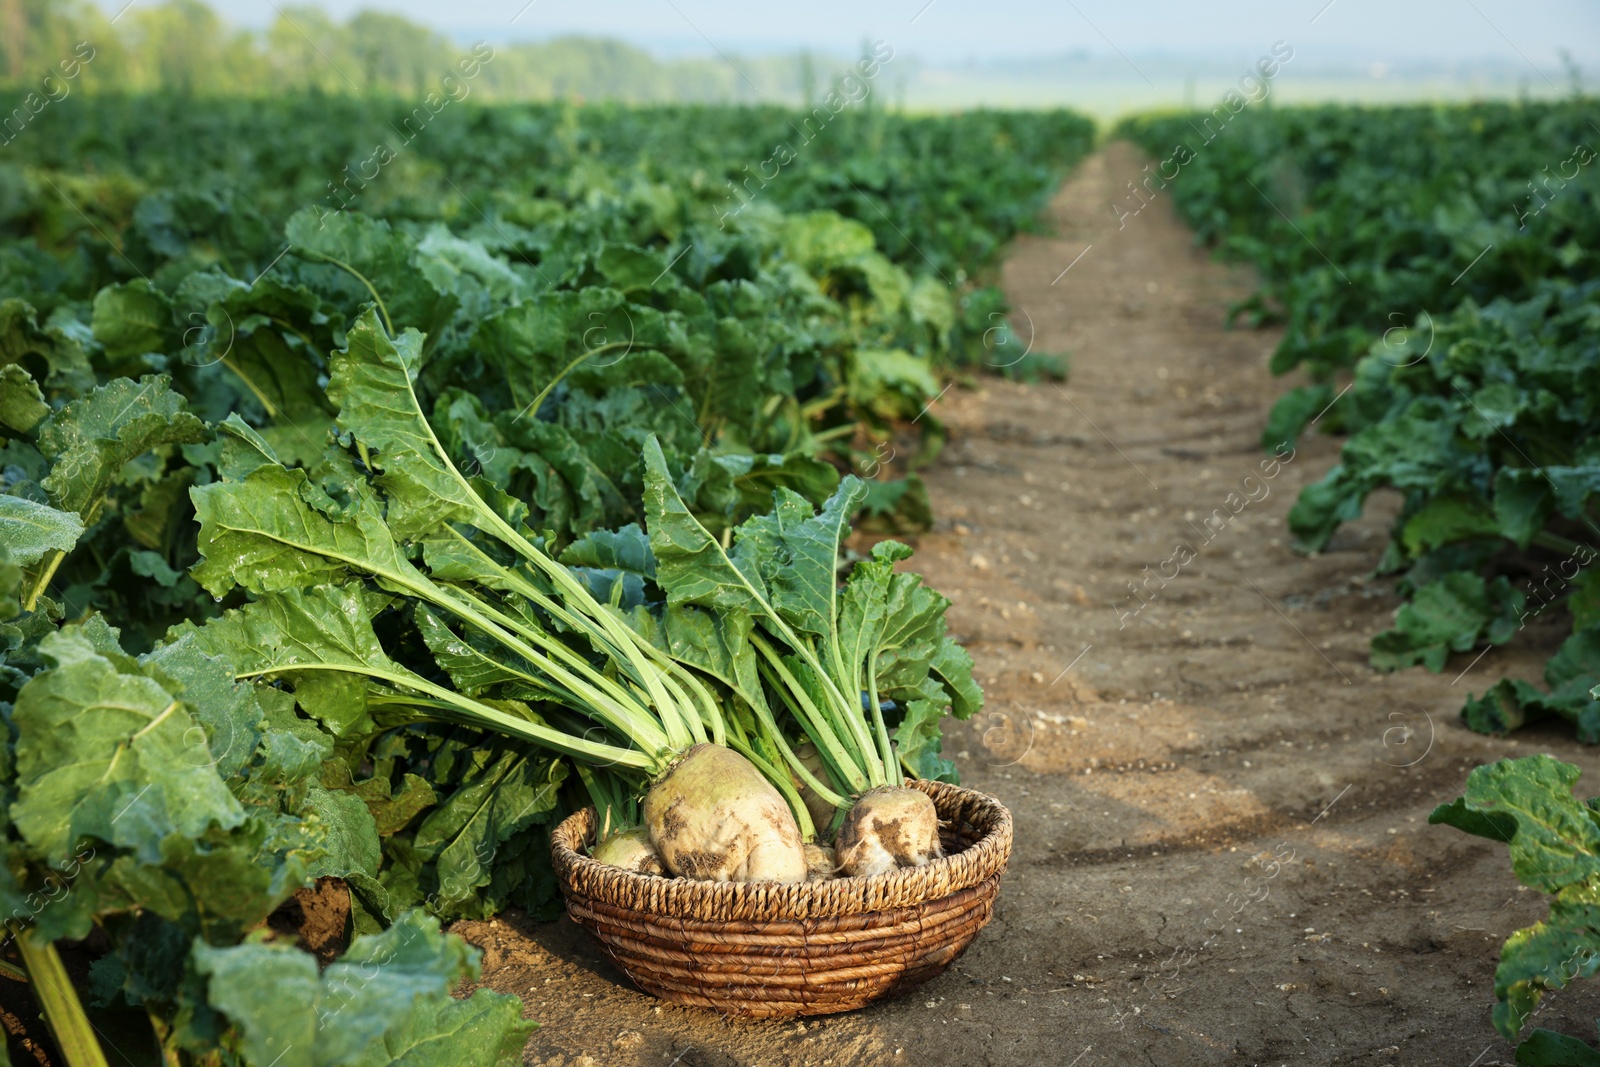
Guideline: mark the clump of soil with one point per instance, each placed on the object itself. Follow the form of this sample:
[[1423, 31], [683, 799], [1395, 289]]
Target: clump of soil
[[316, 919]]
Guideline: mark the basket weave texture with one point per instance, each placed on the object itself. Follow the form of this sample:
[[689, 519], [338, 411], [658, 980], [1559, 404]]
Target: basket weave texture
[[773, 950]]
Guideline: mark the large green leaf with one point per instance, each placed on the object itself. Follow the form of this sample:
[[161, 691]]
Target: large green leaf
[[350, 835], [1522, 503], [1447, 519], [1547, 956], [1546, 1048], [230, 711], [507, 792], [23, 340], [324, 628], [372, 385], [798, 552], [716, 642], [241, 877], [375, 262], [132, 319], [372, 1006], [1555, 847], [1528, 804], [691, 566], [22, 405], [539, 342], [29, 530], [918, 741], [105, 751], [92, 438], [267, 533], [1449, 615]]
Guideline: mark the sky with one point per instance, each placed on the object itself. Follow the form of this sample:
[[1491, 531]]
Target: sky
[[1530, 32]]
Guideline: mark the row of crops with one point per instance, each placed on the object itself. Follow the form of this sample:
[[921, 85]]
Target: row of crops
[[1442, 263], [1435, 269], [281, 381]]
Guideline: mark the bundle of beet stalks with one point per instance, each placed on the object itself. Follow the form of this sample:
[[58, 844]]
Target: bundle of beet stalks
[[730, 705]]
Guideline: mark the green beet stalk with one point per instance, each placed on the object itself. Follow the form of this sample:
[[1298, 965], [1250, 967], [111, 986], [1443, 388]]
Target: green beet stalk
[[613, 703], [622, 656], [463, 709], [679, 722], [845, 763], [63, 1010]]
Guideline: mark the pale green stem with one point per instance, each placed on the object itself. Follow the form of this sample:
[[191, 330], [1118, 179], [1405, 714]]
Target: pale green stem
[[885, 745], [636, 722], [388, 324], [773, 734], [63, 1010], [683, 703], [843, 762], [518, 584], [474, 713], [43, 580], [615, 694]]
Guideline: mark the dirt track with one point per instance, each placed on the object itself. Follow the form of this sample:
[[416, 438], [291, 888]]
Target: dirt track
[[1222, 851]]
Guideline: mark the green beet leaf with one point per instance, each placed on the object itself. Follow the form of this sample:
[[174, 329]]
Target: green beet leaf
[[385, 1001], [1555, 847], [29, 530], [230, 712], [1554, 839], [1546, 1048], [372, 386], [105, 752], [242, 876], [326, 628], [918, 741], [1445, 520], [61, 351], [355, 258], [349, 843], [1450, 615], [1572, 673], [502, 793], [22, 405], [267, 532], [91, 439], [133, 319]]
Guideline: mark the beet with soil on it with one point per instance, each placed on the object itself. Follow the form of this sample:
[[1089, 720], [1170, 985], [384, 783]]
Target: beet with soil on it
[[887, 829], [713, 816]]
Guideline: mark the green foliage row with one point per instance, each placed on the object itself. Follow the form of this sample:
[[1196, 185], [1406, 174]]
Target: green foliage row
[[1436, 269], [182, 278], [1361, 220]]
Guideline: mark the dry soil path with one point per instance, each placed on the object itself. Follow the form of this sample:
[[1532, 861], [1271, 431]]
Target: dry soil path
[[1222, 851]]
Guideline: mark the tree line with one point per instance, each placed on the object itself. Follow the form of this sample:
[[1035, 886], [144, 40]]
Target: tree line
[[184, 46]]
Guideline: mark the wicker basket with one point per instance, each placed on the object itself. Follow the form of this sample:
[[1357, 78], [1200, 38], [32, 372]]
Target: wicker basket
[[771, 950]]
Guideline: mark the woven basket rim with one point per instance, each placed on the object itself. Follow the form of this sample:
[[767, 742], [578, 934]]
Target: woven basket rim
[[973, 814]]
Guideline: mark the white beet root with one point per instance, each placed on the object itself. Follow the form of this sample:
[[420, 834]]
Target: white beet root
[[632, 851], [889, 828], [714, 817], [821, 864]]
